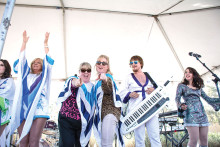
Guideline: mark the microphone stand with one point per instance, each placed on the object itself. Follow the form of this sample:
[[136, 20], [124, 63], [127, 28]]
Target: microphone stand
[[216, 78]]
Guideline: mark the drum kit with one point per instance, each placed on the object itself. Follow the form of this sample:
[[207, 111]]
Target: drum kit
[[49, 137]]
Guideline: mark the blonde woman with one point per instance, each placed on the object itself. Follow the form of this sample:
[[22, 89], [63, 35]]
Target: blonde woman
[[31, 103], [108, 107]]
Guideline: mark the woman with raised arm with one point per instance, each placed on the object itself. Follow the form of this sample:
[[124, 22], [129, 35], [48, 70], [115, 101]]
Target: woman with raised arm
[[7, 89], [31, 104], [108, 107], [195, 120], [76, 114]]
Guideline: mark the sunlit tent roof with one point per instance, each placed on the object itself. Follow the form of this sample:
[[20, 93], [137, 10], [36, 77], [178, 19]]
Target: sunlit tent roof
[[163, 32]]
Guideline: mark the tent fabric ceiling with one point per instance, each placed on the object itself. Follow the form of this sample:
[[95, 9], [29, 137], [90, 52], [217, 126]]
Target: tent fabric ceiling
[[189, 30], [151, 7]]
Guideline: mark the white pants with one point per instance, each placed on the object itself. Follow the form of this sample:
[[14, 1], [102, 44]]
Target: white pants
[[109, 125], [153, 133]]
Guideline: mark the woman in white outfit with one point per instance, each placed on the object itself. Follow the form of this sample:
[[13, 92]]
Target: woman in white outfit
[[30, 111], [7, 89]]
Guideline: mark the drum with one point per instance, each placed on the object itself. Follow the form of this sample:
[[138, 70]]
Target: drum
[[43, 143], [49, 132], [50, 125]]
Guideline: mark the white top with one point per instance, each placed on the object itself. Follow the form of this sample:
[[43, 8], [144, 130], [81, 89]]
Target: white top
[[31, 78]]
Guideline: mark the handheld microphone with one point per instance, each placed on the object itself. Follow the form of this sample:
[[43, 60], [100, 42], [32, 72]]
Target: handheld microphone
[[194, 55]]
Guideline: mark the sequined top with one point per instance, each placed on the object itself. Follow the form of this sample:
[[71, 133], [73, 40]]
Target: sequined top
[[69, 107], [108, 106], [195, 114]]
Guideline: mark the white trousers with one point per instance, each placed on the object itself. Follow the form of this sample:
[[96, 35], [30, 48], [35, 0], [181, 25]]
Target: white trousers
[[109, 125], [153, 133]]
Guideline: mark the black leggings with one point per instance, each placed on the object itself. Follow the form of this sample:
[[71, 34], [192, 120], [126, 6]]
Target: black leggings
[[69, 130]]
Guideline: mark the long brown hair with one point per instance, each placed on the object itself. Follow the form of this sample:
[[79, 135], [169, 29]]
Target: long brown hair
[[7, 72], [197, 80]]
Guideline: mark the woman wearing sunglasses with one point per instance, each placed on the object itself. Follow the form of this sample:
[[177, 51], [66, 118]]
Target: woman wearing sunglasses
[[108, 106], [76, 113]]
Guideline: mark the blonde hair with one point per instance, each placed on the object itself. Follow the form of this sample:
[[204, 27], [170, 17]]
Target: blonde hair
[[107, 59], [41, 61], [85, 64]]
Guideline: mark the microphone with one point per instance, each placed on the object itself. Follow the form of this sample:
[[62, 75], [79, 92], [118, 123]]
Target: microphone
[[194, 55]]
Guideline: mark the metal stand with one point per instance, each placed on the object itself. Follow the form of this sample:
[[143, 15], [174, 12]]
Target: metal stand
[[171, 135], [216, 78], [5, 23], [175, 142]]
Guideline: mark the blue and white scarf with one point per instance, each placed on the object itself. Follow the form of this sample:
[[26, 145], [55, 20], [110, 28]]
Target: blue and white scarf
[[24, 100], [98, 95], [85, 104], [7, 90]]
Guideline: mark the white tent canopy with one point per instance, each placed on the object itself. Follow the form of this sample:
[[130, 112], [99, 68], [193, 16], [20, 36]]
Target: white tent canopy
[[163, 32]]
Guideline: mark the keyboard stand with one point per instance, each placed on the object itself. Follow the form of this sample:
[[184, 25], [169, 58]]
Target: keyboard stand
[[176, 143]]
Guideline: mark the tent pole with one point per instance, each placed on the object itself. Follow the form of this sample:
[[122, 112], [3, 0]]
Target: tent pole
[[190, 11], [168, 41], [81, 9], [171, 6], [64, 37], [5, 23]]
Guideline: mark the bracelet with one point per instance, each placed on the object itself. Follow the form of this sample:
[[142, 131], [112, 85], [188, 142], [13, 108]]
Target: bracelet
[[46, 46]]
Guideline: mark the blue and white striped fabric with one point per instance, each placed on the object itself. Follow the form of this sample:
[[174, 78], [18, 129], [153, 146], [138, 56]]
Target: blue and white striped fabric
[[85, 104], [98, 95], [7, 90], [25, 102]]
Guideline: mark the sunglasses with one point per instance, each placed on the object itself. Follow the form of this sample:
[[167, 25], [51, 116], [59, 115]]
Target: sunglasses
[[84, 70], [135, 62], [103, 63]]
